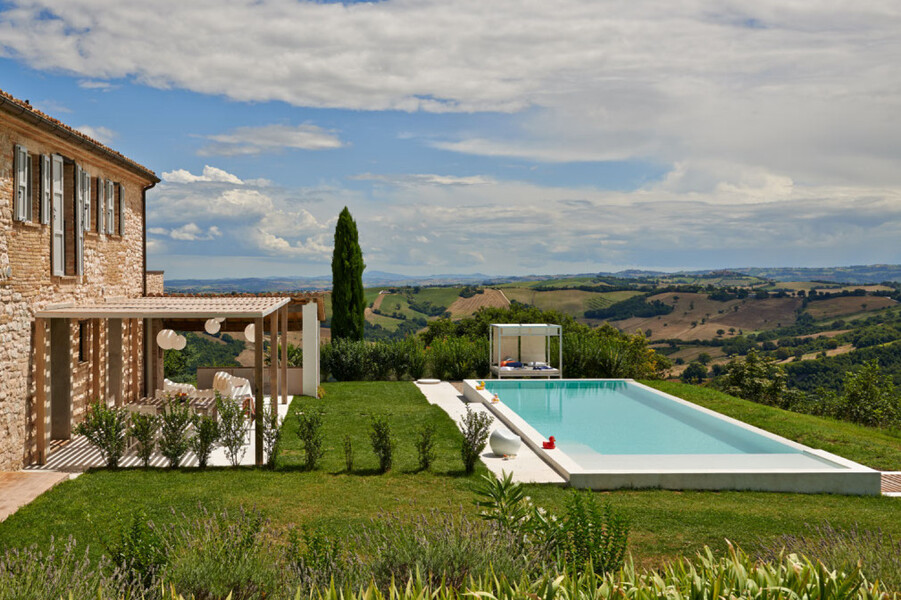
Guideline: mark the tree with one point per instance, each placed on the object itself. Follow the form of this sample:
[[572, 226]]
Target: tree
[[694, 373], [348, 299]]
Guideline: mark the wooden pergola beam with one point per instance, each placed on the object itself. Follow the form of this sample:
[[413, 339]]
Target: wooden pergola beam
[[96, 388], [274, 355]]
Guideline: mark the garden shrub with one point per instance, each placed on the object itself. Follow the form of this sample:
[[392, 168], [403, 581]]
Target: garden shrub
[[878, 554], [319, 560], [140, 551], [381, 360], [425, 446], [309, 430], [475, 426], [205, 438], [272, 432], [348, 453], [232, 428], [346, 359], [439, 546], [174, 422], [223, 555], [416, 357], [143, 430], [382, 442], [592, 536], [62, 571], [453, 358], [107, 430]]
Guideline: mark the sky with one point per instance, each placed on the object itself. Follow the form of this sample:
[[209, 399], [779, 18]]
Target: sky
[[503, 137]]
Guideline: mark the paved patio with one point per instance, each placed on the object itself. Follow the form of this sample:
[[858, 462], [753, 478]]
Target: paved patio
[[18, 488]]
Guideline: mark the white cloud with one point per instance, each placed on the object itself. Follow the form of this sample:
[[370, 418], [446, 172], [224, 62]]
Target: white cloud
[[209, 174], [102, 134], [419, 179], [805, 89], [189, 232], [103, 86], [271, 138]]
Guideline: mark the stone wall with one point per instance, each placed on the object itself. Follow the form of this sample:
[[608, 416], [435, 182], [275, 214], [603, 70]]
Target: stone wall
[[155, 282], [113, 267]]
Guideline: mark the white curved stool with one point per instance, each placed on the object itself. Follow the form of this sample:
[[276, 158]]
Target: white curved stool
[[504, 442]]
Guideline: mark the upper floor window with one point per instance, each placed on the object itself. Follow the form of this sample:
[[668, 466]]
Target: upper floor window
[[31, 199]]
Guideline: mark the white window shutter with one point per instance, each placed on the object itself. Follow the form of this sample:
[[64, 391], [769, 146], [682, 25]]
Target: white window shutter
[[87, 200], [79, 220], [110, 208], [21, 183], [121, 209], [101, 206], [45, 189], [57, 223]]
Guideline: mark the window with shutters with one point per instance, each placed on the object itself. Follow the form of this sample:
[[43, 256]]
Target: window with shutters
[[57, 216], [46, 189], [23, 185], [110, 208], [101, 190]]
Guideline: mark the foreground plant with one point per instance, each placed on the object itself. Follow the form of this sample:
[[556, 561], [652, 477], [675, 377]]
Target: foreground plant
[[205, 439], [107, 430], [143, 430], [309, 430], [475, 426], [382, 442], [425, 446], [232, 428], [174, 422]]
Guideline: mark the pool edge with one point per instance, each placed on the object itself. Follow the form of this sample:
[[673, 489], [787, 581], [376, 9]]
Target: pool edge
[[853, 479]]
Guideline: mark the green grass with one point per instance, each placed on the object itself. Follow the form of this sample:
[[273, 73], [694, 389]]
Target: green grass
[[665, 524], [874, 448]]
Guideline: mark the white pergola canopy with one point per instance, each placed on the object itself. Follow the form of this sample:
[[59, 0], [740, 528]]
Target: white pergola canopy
[[168, 307], [526, 343]]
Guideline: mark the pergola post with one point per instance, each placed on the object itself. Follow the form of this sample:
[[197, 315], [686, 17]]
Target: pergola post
[[258, 376], [283, 316], [40, 392], [135, 353], [274, 354], [96, 390]]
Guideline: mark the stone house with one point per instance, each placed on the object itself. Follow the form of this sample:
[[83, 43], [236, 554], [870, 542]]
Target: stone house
[[72, 231]]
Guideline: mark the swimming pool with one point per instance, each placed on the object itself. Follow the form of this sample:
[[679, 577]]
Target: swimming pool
[[620, 433]]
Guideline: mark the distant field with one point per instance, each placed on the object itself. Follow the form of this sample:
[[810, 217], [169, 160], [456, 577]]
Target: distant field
[[847, 305], [570, 302], [464, 307], [689, 310]]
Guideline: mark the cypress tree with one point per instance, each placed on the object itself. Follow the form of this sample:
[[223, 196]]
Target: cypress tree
[[348, 299]]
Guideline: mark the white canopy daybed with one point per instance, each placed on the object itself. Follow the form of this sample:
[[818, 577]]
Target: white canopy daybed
[[528, 346]]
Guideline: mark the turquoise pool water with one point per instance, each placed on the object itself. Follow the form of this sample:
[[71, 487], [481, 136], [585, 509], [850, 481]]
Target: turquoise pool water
[[617, 417]]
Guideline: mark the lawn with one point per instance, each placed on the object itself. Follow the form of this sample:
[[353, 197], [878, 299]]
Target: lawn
[[665, 524]]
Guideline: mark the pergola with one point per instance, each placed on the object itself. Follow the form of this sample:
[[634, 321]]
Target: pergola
[[524, 342], [183, 313]]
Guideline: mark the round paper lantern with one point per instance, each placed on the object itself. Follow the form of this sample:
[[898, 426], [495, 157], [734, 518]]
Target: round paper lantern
[[179, 343], [250, 333], [162, 339], [212, 326], [171, 336]]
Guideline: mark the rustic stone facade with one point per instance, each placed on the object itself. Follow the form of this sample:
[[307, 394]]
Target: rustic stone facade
[[155, 283], [113, 267]]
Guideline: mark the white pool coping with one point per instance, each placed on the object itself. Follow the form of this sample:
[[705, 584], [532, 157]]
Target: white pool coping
[[837, 475]]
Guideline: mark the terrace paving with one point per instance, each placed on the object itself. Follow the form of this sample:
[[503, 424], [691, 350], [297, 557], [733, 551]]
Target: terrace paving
[[526, 467], [18, 488]]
